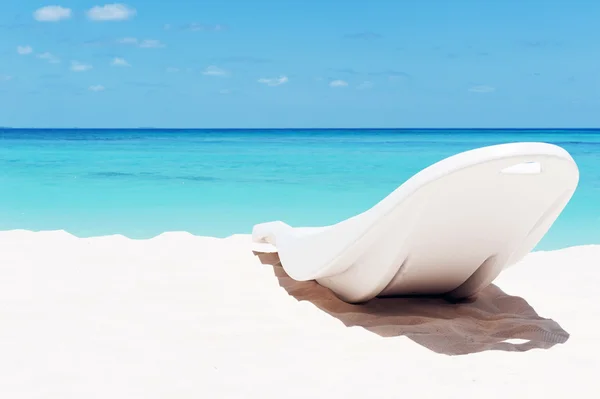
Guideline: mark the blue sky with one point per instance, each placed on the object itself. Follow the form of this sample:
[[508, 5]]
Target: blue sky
[[258, 63]]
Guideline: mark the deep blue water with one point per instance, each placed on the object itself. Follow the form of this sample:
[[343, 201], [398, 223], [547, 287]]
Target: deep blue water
[[142, 182]]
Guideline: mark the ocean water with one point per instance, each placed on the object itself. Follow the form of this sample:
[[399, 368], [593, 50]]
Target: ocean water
[[141, 183]]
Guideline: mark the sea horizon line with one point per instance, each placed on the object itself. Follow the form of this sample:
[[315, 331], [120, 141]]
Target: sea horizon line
[[225, 129]]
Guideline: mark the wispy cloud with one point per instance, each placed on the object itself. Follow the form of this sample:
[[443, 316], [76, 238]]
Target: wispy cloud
[[111, 12], [120, 62], [365, 85], [214, 70], [274, 81], [197, 27], [128, 40], [391, 74], [51, 58], [97, 42], [338, 83], [363, 36], [145, 43], [225, 91], [52, 14], [151, 43], [24, 50], [77, 66], [348, 71], [539, 43], [482, 89], [97, 88], [5, 78], [172, 69]]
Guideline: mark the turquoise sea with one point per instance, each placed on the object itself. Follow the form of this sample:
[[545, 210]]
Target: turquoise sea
[[142, 182]]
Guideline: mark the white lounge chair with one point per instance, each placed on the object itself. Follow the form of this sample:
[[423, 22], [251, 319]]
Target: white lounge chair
[[450, 229]]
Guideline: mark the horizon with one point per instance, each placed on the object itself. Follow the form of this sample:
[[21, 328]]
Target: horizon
[[310, 129], [238, 65]]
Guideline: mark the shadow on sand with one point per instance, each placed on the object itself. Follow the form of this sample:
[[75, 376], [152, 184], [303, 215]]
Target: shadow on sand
[[488, 322]]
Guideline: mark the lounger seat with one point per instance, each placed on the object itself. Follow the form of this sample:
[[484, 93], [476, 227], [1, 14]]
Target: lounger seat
[[449, 229]]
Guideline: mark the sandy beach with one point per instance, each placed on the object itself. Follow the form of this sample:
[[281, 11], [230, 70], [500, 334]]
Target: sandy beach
[[181, 316]]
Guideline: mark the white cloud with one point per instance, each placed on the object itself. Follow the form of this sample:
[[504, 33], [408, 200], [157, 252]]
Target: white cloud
[[274, 81], [213, 70], [96, 88], [51, 13], [5, 78], [77, 66], [51, 58], [196, 27], [128, 40], [120, 62], [172, 69], [24, 50], [365, 85], [225, 91], [146, 43], [151, 43], [482, 89], [111, 12], [338, 83]]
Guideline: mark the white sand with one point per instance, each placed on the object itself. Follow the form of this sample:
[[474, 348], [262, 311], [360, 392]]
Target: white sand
[[180, 316]]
